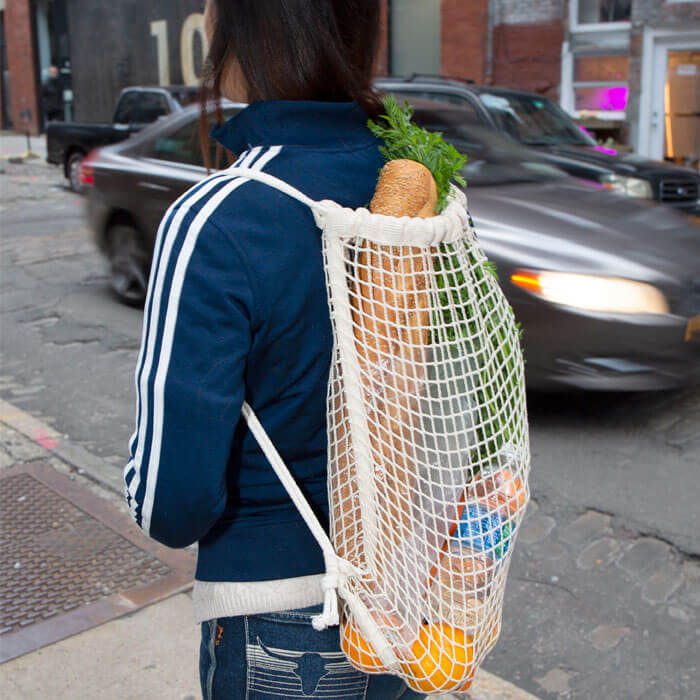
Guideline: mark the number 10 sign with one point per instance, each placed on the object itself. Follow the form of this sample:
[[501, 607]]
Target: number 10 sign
[[193, 25]]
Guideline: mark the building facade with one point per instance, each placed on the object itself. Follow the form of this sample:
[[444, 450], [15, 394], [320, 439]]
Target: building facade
[[635, 64], [33, 36], [100, 47], [629, 70]]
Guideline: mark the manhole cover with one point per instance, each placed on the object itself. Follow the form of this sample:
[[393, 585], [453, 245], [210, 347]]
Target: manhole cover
[[69, 561]]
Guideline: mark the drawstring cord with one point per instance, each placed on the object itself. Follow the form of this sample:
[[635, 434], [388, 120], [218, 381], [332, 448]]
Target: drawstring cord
[[337, 572]]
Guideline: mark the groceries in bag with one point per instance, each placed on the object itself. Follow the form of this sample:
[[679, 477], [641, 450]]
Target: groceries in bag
[[416, 501]]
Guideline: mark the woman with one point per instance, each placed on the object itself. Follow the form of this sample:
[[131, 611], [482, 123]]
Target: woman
[[237, 309]]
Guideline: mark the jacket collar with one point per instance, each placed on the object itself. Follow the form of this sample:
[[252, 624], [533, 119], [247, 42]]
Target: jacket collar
[[295, 123]]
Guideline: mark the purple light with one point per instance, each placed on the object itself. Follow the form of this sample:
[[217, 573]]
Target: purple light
[[603, 99], [617, 98], [602, 149]]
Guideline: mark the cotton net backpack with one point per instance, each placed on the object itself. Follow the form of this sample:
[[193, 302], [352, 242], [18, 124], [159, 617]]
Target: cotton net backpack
[[428, 452]]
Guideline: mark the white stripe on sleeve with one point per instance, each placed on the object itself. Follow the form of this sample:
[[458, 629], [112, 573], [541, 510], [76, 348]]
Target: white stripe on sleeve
[[168, 332], [155, 289]]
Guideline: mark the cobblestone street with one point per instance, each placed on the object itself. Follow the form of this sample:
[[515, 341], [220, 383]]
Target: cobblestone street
[[608, 598], [593, 603]]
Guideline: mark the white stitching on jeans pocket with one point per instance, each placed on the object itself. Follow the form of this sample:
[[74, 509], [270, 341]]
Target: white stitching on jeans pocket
[[247, 659], [289, 673], [212, 658]]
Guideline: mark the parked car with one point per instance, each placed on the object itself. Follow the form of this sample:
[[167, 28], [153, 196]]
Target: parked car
[[67, 143], [537, 122], [607, 287]]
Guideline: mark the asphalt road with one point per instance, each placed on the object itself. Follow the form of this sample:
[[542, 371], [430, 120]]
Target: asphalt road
[[604, 592]]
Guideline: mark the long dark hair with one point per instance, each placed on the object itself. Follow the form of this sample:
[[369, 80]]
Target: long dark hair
[[321, 50]]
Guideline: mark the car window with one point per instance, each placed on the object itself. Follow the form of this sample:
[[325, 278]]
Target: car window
[[126, 108], [141, 107], [491, 158], [185, 96], [456, 127], [451, 99], [469, 112], [533, 120], [151, 106], [183, 145]]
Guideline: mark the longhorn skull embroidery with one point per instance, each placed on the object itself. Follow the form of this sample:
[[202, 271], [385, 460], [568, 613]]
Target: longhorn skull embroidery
[[309, 668]]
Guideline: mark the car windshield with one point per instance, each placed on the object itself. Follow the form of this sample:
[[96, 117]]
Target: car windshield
[[534, 121], [492, 159]]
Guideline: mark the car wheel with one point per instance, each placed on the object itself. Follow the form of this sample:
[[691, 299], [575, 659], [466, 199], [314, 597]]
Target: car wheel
[[129, 263], [73, 171]]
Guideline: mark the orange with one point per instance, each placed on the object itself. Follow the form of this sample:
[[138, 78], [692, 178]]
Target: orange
[[359, 651], [513, 490], [443, 659], [493, 633], [502, 489], [487, 635]]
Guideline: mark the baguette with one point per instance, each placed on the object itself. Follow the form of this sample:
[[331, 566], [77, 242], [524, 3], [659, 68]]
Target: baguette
[[391, 323], [392, 336]]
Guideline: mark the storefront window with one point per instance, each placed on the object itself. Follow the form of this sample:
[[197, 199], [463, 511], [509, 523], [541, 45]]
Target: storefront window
[[601, 69], [601, 11], [601, 99], [415, 36], [682, 108], [600, 83]]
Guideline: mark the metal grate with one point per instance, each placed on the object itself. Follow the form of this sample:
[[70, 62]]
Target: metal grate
[[690, 305], [677, 190], [63, 551]]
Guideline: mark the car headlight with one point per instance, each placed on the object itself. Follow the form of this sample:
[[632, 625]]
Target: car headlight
[[630, 186], [592, 293]]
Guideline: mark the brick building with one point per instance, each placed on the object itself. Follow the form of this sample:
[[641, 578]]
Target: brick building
[[629, 69], [33, 36]]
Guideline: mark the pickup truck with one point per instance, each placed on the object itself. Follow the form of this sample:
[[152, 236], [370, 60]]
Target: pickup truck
[[68, 143]]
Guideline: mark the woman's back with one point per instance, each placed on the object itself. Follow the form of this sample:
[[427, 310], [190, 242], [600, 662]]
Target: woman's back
[[238, 310]]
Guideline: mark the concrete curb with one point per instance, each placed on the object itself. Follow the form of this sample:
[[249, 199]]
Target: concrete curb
[[93, 467], [29, 155], [486, 686], [14, 147]]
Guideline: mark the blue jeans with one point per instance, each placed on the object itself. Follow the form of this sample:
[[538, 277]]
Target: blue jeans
[[280, 655]]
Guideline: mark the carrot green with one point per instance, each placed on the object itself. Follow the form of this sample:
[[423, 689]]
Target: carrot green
[[403, 139], [460, 316]]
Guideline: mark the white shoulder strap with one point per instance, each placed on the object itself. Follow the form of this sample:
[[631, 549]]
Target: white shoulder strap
[[341, 222], [336, 567], [275, 182]]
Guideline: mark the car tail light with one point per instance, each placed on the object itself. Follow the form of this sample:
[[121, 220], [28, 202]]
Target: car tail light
[[87, 169]]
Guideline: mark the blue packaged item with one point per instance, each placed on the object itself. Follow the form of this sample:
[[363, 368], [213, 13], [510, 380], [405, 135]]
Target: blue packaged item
[[484, 530]]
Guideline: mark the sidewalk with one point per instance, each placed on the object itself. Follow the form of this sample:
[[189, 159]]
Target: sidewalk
[[14, 145], [151, 653]]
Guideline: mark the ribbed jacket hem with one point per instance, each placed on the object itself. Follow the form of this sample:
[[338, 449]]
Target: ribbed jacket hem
[[214, 599]]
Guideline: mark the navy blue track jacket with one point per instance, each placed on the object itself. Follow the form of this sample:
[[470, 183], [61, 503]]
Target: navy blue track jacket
[[237, 309]]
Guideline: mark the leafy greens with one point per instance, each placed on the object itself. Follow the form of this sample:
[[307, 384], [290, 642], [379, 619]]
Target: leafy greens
[[403, 139]]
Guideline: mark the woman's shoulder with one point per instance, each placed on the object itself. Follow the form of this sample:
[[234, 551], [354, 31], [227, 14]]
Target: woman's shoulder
[[236, 201]]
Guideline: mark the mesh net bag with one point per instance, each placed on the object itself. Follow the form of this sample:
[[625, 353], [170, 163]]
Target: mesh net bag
[[428, 453]]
